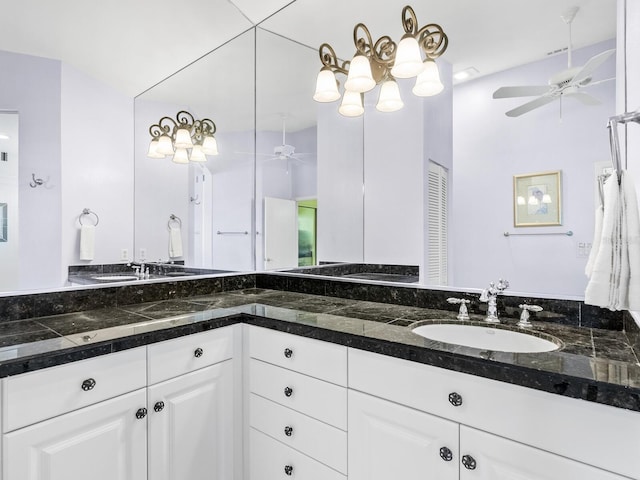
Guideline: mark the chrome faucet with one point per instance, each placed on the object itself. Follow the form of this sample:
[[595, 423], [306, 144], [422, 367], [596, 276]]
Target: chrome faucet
[[490, 296], [463, 313]]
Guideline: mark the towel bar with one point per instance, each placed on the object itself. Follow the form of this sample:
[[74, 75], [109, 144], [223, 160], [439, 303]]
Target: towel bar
[[568, 234], [233, 233], [174, 218]]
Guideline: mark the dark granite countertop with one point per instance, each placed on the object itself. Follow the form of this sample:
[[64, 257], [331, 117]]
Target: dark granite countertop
[[593, 364]]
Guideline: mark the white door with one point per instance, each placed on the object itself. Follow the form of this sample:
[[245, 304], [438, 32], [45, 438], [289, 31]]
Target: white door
[[191, 430], [280, 233], [104, 441], [488, 457], [391, 441]]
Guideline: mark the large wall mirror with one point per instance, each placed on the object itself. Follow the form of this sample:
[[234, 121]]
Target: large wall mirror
[[380, 163], [207, 205]]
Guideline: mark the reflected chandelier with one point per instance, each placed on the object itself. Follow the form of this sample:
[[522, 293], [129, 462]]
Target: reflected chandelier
[[381, 63], [176, 137]]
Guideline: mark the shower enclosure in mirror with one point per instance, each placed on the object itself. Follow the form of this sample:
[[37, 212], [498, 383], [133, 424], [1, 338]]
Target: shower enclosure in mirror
[[9, 201], [203, 207]]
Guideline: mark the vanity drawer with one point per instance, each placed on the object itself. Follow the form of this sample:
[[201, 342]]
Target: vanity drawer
[[315, 358], [321, 400], [569, 427], [32, 397], [270, 459], [182, 355], [320, 441]]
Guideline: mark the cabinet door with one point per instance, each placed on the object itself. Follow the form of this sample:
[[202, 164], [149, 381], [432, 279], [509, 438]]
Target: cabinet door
[[191, 430], [104, 441], [488, 457], [390, 441]]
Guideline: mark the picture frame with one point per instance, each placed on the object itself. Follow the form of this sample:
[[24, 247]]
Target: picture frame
[[537, 199]]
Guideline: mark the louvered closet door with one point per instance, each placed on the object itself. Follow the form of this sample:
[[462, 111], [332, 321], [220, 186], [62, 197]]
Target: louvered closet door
[[437, 225]]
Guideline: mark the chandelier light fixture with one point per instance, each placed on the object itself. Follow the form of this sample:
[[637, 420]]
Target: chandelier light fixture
[[380, 63], [184, 139]]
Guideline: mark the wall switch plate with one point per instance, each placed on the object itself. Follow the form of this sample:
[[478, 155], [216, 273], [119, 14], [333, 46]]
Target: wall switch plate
[[124, 254]]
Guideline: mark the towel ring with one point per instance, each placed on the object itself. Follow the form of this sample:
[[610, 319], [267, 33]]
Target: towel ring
[[174, 218], [86, 211]]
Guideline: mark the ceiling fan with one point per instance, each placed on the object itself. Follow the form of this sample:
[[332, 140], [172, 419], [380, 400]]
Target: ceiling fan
[[568, 82], [285, 151]]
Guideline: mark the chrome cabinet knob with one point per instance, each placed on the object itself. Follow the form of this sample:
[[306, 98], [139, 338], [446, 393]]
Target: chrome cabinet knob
[[158, 407], [288, 391], [88, 384], [288, 352], [288, 431], [141, 413], [469, 462], [288, 469], [446, 454], [198, 352], [455, 399]]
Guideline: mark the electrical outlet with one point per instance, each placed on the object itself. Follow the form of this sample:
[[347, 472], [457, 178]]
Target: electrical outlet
[[143, 254], [124, 254]]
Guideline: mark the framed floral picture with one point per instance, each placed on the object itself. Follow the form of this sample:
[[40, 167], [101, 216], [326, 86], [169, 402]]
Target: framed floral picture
[[537, 199]]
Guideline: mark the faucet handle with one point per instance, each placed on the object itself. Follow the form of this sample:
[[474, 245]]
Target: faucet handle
[[463, 313], [524, 316]]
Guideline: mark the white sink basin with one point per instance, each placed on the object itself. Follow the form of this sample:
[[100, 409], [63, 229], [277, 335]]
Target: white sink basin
[[485, 338], [115, 278]]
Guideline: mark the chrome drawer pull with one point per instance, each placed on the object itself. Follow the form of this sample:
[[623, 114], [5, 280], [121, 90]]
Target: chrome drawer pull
[[446, 454], [198, 352], [455, 399], [88, 384], [288, 391], [288, 352], [288, 469], [288, 431], [158, 407]]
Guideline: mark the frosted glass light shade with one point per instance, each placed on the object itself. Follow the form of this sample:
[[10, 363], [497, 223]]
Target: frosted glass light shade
[[408, 62], [326, 86], [153, 149], [197, 155], [521, 200], [210, 145], [533, 200], [351, 105], [360, 78], [546, 198], [183, 138], [181, 156], [428, 82], [389, 99], [165, 145]]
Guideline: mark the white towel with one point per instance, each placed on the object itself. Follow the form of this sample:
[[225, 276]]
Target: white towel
[[595, 245], [615, 276], [87, 242], [175, 242]]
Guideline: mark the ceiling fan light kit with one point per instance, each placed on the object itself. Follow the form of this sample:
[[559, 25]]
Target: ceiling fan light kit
[[380, 63], [568, 82]]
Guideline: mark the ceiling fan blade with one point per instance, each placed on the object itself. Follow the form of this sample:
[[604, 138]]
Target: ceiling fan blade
[[523, 91], [585, 98], [527, 107], [591, 84], [593, 63]]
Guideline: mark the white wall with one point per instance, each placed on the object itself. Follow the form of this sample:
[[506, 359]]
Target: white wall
[[31, 86], [489, 148], [97, 167], [393, 179], [340, 186]]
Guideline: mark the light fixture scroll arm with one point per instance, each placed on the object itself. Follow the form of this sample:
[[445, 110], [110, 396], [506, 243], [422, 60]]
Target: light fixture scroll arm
[[432, 40], [185, 119], [330, 60]]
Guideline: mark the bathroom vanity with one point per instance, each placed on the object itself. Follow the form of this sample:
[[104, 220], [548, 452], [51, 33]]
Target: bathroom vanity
[[262, 383]]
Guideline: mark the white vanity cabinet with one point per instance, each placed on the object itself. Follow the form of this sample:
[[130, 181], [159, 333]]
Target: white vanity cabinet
[[297, 407], [163, 412], [191, 421], [81, 420], [493, 430]]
